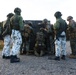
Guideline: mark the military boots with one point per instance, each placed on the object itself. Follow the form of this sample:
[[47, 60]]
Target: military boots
[[14, 59]]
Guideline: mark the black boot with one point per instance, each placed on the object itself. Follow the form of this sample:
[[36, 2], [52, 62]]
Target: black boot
[[63, 57], [57, 58], [14, 59], [5, 57]]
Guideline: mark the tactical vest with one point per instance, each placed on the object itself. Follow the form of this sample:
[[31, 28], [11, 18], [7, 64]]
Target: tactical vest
[[40, 37], [15, 23], [40, 40], [62, 27]]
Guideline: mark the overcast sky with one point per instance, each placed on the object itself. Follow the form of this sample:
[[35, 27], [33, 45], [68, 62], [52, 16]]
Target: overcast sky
[[38, 9]]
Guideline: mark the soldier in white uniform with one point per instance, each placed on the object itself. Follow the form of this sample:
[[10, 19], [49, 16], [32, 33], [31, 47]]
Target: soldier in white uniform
[[7, 38], [17, 28], [60, 32]]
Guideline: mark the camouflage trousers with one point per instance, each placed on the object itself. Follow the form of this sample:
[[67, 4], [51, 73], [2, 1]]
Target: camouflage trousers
[[60, 46], [7, 45], [52, 45], [17, 41], [27, 45], [73, 45]]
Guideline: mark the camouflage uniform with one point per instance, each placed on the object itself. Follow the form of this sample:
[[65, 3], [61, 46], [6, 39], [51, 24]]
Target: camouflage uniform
[[72, 35], [27, 32], [17, 27], [50, 32], [7, 38], [39, 49], [60, 32]]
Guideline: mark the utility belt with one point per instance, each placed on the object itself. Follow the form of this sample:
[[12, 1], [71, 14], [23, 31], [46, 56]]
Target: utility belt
[[16, 27]]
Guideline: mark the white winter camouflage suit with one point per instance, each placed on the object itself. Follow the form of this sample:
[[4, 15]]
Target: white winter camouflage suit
[[17, 41], [7, 45], [60, 43]]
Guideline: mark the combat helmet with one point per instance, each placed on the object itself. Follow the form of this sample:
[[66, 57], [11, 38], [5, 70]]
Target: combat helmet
[[17, 10], [30, 23], [57, 14], [10, 15], [45, 20], [69, 18]]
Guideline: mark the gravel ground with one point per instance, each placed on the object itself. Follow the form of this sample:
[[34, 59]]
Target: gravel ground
[[32, 65]]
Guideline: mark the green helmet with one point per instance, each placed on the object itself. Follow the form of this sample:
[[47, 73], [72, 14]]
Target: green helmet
[[69, 18], [57, 14], [10, 15], [17, 10]]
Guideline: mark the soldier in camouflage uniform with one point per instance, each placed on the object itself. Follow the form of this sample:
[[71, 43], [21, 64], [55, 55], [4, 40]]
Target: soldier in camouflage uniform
[[49, 36], [44, 26], [7, 38], [50, 39], [17, 28], [72, 35], [39, 49], [60, 33], [28, 30]]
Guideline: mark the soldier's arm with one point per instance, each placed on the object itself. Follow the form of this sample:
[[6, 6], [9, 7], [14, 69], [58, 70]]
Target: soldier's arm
[[21, 24], [56, 26]]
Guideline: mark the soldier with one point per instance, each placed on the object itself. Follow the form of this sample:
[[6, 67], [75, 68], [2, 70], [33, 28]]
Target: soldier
[[43, 26], [39, 49], [27, 33], [60, 33], [49, 36], [31, 37], [72, 35], [22, 49], [17, 29], [7, 38]]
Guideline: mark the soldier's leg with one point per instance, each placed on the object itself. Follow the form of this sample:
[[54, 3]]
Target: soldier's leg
[[71, 45], [27, 47], [73, 48], [6, 48], [57, 49], [52, 45], [16, 47], [36, 51], [21, 48], [24, 45], [42, 51], [63, 47]]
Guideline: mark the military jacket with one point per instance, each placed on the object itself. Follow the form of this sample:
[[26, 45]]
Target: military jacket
[[60, 26], [17, 22], [6, 27], [72, 29]]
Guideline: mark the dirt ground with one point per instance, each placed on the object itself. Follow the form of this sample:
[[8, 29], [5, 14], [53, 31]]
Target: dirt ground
[[32, 65]]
